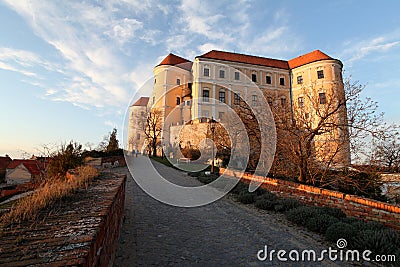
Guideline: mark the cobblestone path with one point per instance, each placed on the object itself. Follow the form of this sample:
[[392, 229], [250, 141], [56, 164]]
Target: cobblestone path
[[224, 233]]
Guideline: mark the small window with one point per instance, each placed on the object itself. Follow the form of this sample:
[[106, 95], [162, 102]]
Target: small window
[[206, 95], [282, 81], [222, 96], [237, 76], [299, 79], [300, 102], [155, 81], [178, 100], [322, 98], [269, 100], [254, 77], [307, 115], [207, 72], [138, 136], [254, 99], [178, 81], [221, 73], [236, 99], [268, 79], [154, 99], [283, 101], [320, 74]]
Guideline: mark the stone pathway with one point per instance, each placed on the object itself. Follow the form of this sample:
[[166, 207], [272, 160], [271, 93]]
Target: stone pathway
[[224, 233]]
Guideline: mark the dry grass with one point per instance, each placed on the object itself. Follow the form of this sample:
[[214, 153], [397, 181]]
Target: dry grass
[[47, 194]]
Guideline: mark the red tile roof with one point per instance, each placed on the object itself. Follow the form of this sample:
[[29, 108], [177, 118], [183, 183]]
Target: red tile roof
[[173, 60], [142, 101], [307, 58], [30, 164], [268, 62], [4, 162], [254, 60]]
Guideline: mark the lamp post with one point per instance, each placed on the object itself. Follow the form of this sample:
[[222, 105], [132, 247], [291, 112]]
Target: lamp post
[[212, 128]]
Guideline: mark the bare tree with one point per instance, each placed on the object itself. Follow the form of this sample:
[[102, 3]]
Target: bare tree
[[152, 128], [320, 133], [387, 153]]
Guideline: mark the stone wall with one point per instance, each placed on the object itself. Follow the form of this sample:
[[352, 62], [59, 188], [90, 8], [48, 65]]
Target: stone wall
[[82, 230], [352, 205]]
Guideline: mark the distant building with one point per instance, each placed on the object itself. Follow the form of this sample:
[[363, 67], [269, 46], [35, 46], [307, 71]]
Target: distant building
[[137, 115], [220, 77], [4, 162], [21, 171]]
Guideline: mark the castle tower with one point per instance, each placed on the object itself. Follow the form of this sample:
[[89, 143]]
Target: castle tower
[[317, 90]]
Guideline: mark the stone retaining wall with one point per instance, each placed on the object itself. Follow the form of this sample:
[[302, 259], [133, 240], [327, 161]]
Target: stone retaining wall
[[82, 230], [352, 205]]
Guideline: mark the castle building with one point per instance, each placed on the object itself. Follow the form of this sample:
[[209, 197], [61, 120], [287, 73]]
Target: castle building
[[190, 92]]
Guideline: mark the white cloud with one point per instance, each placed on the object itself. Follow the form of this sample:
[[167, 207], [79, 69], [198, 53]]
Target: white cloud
[[91, 63], [356, 51]]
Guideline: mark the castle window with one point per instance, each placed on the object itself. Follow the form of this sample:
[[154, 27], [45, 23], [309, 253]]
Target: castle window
[[282, 81], [237, 76], [155, 81], [222, 96], [154, 99], [254, 99], [236, 99], [206, 72], [206, 95], [322, 98], [300, 102], [178, 100], [320, 74], [221, 73], [269, 100], [254, 77], [178, 81], [268, 79], [299, 79], [283, 101]]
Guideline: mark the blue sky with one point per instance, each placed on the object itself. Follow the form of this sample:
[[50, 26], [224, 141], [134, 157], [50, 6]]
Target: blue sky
[[68, 69]]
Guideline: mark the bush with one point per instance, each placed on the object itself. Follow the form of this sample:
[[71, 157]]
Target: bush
[[247, 197], [206, 179], [320, 222], [286, 204], [341, 230], [191, 153], [240, 187], [266, 201], [301, 214], [68, 157], [385, 241], [361, 225], [334, 212]]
